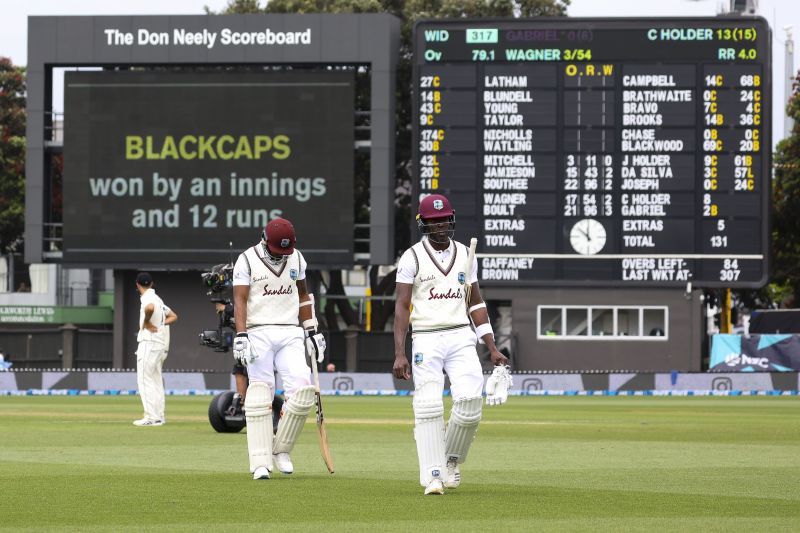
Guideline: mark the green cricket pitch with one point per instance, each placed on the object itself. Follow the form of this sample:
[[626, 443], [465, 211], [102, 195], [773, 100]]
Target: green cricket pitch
[[538, 464]]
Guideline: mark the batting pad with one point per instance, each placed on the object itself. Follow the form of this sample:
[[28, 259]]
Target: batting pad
[[461, 428], [258, 412], [295, 411], [429, 432]]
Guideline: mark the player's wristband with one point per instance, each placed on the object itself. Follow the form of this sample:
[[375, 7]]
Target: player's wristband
[[310, 324], [482, 330], [476, 307], [242, 334]]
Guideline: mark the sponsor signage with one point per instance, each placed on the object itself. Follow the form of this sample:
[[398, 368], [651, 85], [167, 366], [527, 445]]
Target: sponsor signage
[[32, 314], [755, 353]]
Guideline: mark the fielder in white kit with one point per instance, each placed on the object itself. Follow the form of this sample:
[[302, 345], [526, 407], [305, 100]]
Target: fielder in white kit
[[270, 303], [152, 350], [432, 278]]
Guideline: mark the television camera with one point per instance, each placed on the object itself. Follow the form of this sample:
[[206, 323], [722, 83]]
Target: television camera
[[225, 413], [218, 283]]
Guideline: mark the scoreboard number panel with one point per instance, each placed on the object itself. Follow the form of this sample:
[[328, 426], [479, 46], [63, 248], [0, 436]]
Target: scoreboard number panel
[[605, 152]]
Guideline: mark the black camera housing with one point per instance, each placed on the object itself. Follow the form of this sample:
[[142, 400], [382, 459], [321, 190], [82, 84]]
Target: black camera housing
[[220, 339], [219, 279], [218, 283]]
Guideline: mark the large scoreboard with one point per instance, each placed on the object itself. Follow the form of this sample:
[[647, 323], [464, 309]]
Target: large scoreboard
[[600, 152], [179, 167]]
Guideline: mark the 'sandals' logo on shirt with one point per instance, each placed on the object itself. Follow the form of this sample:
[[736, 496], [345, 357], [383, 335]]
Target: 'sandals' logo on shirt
[[274, 292], [449, 295]]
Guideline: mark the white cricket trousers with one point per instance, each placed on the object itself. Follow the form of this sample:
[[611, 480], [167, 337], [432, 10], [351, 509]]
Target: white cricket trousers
[[280, 349], [452, 351], [150, 358]]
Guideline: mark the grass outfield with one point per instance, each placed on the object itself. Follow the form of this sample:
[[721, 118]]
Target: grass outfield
[[539, 463]]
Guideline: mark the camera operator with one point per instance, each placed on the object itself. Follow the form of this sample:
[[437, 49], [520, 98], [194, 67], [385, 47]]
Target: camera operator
[[225, 313], [219, 282]]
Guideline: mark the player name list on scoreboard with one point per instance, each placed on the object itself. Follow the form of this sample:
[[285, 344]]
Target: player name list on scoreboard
[[610, 152]]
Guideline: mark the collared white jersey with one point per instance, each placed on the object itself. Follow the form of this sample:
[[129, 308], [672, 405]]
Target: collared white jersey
[[157, 318], [273, 298], [438, 297]]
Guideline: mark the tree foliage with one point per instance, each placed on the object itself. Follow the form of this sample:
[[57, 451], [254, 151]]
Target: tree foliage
[[786, 203], [783, 289], [12, 155]]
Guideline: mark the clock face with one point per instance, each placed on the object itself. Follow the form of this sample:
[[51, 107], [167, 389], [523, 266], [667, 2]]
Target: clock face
[[587, 236]]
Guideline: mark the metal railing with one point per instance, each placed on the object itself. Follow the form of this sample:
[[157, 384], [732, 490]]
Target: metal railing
[[53, 239], [362, 306], [54, 128]]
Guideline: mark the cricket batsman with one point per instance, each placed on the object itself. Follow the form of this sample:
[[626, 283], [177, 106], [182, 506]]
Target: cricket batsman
[[271, 303], [433, 278]]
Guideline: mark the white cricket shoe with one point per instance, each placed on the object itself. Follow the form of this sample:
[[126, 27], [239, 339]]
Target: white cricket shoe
[[262, 472], [434, 487], [453, 475], [283, 463], [148, 422]]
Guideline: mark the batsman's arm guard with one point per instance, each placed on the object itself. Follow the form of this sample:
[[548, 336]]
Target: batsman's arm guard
[[475, 315], [310, 324]]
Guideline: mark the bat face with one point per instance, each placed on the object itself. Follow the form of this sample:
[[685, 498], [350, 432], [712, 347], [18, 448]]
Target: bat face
[[320, 416], [323, 447], [323, 433], [323, 436]]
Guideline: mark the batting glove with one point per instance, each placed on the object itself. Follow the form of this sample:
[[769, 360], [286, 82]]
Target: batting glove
[[498, 384], [242, 349], [315, 345]]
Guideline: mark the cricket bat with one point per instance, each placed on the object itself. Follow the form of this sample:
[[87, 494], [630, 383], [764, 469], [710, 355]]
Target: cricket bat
[[324, 448], [473, 243]]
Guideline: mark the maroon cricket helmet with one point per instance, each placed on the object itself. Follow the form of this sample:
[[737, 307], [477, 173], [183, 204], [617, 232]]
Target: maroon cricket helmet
[[436, 207], [279, 236]]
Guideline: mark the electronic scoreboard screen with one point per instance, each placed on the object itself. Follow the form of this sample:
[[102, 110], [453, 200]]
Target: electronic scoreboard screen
[[606, 152], [165, 167]]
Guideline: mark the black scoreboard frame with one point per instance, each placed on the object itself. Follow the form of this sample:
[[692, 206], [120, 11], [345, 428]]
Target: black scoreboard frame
[[762, 40], [254, 41]]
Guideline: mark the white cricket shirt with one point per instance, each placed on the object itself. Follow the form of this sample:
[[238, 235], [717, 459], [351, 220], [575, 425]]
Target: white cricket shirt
[[273, 299], [438, 280]]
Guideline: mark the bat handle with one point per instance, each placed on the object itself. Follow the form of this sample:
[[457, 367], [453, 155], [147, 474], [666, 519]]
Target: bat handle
[[312, 359], [473, 243], [315, 372]]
